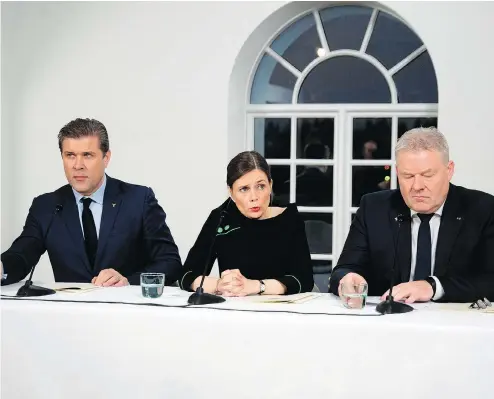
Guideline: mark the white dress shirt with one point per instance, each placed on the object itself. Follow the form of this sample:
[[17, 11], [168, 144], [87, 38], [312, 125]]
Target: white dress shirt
[[434, 224]]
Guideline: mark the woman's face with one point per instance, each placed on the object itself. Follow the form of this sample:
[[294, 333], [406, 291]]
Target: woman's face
[[251, 193]]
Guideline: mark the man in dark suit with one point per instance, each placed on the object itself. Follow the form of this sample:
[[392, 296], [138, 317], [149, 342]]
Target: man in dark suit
[[96, 229], [444, 234]]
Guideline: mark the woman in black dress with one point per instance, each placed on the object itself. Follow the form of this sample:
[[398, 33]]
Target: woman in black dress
[[260, 249]]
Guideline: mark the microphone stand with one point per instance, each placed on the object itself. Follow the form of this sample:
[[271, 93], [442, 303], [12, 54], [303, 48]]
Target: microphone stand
[[28, 289], [389, 306], [200, 297]]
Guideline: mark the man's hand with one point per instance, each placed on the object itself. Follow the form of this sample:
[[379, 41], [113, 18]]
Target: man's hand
[[415, 291], [110, 278], [351, 279]]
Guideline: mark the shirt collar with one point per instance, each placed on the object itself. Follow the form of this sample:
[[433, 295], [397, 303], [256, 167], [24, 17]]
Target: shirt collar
[[439, 212], [97, 196]]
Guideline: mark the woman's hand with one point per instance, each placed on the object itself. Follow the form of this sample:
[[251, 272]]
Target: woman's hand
[[233, 283]]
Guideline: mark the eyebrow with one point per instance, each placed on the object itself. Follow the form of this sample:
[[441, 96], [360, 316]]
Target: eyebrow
[[82, 152], [259, 181], [421, 173]]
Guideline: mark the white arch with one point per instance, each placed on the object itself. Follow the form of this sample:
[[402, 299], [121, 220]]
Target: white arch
[[250, 54]]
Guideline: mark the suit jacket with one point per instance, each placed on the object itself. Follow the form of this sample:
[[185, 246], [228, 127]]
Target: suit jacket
[[133, 237], [464, 259]]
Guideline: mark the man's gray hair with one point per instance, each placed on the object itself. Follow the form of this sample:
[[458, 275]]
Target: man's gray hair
[[423, 139]]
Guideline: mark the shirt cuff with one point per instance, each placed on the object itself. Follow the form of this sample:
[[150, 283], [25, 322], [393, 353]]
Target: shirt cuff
[[439, 289]]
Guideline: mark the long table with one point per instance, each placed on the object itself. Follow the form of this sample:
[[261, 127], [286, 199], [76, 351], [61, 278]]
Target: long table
[[113, 343]]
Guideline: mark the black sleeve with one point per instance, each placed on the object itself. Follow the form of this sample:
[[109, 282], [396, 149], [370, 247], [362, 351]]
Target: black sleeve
[[355, 255], [161, 251], [478, 284], [299, 276], [197, 258], [26, 250]]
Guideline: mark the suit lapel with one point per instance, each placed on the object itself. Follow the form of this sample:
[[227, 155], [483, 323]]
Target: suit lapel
[[70, 216], [402, 238], [111, 206], [451, 221]]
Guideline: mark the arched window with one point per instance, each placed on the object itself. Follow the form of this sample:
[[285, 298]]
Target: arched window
[[328, 98]]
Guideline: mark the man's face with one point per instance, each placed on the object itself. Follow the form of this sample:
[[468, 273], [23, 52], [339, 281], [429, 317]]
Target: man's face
[[84, 163], [424, 179]]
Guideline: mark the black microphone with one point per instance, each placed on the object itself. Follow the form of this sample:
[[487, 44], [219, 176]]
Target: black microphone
[[389, 306], [28, 289], [200, 297]]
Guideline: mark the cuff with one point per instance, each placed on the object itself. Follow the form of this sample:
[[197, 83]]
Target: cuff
[[439, 289], [292, 284], [185, 282]]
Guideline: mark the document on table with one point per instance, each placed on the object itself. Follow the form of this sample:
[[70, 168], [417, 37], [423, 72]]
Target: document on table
[[73, 288], [295, 298]]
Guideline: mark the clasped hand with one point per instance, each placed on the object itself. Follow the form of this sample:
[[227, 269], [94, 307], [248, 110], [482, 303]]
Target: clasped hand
[[233, 283]]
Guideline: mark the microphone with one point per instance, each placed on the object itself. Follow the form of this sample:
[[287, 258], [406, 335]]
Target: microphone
[[389, 306], [200, 297], [28, 289]]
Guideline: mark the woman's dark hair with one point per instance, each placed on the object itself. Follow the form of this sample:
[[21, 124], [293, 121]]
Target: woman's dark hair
[[244, 163]]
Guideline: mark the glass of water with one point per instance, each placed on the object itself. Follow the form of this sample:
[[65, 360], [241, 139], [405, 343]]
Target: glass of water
[[354, 296], [152, 284]]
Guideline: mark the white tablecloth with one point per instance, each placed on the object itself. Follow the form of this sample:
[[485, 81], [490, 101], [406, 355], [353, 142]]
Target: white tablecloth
[[97, 350]]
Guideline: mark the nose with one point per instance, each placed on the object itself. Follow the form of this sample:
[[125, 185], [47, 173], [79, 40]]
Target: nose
[[253, 196], [418, 183], [79, 163]]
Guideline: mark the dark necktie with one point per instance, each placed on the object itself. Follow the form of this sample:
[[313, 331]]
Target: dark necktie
[[424, 248], [90, 236]]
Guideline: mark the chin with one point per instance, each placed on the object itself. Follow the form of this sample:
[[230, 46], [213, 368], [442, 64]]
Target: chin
[[421, 207]]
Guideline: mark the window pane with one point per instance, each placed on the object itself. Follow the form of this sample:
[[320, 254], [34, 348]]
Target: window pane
[[405, 124], [344, 79], [372, 138], [319, 232], [314, 186], [298, 43], [345, 26], [315, 138], [416, 82], [369, 179], [391, 40], [281, 185], [272, 84], [272, 137]]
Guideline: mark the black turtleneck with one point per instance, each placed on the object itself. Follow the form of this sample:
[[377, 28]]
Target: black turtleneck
[[274, 248]]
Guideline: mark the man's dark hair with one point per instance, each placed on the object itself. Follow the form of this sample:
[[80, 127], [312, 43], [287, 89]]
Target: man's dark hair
[[83, 128]]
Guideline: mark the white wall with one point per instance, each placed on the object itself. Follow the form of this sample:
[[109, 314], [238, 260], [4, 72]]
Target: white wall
[[158, 74]]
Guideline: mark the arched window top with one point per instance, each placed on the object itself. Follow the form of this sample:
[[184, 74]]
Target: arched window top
[[345, 54]]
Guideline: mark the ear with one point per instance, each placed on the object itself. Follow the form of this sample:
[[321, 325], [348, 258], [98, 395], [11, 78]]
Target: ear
[[230, 193], [106, 158], [451, 170]]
